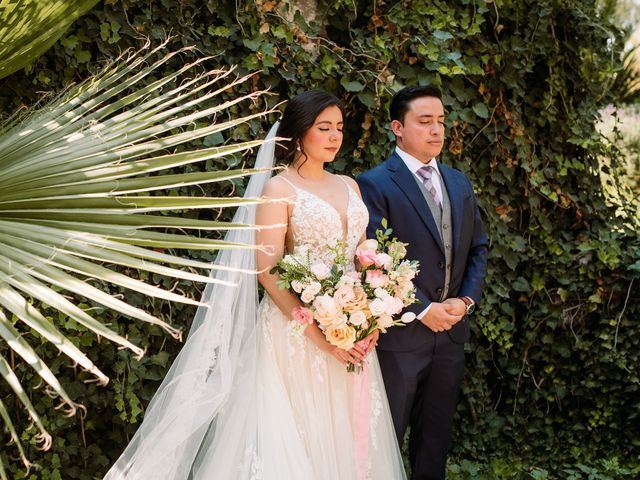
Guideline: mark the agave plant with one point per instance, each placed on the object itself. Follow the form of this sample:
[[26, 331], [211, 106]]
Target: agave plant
[[29, 27], [76, 194]]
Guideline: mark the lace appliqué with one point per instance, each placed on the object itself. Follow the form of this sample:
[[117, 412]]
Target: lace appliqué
[[252, 464], [317, 225], [376, 410]]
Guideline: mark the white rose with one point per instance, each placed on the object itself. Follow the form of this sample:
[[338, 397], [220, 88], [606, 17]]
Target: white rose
[[347, 281], [380, 292], [357, 318], [384, 322], [370, 244], [314, 288], [297, 286], [376, 307], [289, 260], [384, 260], [392, 305], [321, 271], [307, 296]]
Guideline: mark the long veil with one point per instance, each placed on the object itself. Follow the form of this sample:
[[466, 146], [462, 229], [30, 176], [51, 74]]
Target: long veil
[[219, 355]]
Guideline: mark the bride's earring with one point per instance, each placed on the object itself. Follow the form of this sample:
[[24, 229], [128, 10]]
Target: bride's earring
[[298, 147]]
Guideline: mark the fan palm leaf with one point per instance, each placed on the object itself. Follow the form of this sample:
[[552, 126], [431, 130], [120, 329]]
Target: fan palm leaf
[[81, 183], [29, 27]]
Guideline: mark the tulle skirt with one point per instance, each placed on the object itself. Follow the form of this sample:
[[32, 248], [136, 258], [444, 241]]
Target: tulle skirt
[[305, 417]]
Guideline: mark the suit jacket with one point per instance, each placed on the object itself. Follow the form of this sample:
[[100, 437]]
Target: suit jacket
[[390, 191]]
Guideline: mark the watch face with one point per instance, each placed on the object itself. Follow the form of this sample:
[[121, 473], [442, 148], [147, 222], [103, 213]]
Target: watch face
[[470, 308]]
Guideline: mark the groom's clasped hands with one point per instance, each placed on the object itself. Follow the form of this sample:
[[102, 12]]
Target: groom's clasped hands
[[443, 316]]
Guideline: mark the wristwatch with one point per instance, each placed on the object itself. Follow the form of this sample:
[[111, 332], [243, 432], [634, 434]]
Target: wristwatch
[[471, 305]]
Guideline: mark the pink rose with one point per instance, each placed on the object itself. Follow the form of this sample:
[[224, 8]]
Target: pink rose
[[344, 295], [376, 278], [366, 258], [302, 315]]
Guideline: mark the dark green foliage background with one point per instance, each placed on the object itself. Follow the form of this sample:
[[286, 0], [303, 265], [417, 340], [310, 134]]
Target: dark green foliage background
[[552, 387]]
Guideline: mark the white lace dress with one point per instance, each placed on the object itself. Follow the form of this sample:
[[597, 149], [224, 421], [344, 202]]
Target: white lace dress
[[315, 421]]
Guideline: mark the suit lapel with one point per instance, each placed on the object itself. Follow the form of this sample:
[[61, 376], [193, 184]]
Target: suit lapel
[[406, 181], [456, 201]]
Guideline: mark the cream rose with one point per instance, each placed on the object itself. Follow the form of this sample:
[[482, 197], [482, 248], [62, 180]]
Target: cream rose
[[357, 318], [359, 301], [327, 310], [342, 336]]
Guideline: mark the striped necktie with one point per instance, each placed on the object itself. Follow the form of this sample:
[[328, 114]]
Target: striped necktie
[[427, 173]]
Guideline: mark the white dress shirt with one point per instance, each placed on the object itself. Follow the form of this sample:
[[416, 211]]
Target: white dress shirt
[[413, 164]]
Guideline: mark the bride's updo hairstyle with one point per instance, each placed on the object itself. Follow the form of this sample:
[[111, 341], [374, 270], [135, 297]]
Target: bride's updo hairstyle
[[298, 118]]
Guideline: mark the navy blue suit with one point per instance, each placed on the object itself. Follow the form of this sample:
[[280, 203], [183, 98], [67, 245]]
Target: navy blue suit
[[422, 369]]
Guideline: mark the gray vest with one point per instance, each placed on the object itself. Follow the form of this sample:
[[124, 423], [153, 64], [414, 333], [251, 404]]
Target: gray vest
[[443, 221]]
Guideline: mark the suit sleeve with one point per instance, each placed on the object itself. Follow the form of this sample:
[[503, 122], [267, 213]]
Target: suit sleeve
[[378, 207], [476, 268]]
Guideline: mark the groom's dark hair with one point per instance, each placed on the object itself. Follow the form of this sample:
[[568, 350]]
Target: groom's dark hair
[[401, 100]]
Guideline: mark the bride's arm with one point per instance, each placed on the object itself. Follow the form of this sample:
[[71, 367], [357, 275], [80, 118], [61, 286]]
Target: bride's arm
[[274, 215]]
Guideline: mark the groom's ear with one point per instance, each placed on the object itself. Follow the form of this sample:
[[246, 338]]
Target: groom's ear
[[396, 127]]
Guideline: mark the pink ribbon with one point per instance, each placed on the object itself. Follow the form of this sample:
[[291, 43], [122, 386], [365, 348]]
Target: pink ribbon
[[362, 402]]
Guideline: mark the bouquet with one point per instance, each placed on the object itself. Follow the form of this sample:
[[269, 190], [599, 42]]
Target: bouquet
[[349, 305]]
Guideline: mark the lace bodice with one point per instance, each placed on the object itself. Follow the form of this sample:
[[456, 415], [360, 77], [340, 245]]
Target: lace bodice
[[318, 225]]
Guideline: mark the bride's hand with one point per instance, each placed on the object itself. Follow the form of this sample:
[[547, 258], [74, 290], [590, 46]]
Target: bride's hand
[[346, 357], [369, 342]]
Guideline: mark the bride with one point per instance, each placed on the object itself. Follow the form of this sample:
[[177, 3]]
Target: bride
[[247, 398]]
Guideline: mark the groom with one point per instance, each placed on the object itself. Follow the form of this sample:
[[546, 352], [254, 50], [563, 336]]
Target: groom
[[431, 207]]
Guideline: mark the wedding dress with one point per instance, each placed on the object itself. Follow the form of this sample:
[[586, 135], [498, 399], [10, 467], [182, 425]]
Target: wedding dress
[[287, 410]]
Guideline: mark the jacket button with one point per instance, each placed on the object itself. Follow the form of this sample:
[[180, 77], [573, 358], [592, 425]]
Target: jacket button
[[441, 265], [439, 291]]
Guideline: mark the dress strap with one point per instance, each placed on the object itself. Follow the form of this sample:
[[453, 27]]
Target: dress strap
[[349, 187], [288, 181]]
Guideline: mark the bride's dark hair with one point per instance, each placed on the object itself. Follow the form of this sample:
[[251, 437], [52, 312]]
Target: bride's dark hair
[[298, 117]]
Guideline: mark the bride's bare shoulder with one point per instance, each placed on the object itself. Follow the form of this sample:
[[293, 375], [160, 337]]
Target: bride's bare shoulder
[[278, 187]]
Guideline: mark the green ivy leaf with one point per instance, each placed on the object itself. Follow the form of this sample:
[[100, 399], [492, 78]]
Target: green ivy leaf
[[353, 86], [480, 109]]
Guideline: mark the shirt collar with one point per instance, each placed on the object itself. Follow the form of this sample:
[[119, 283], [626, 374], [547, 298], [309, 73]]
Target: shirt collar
[[413, 164]]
